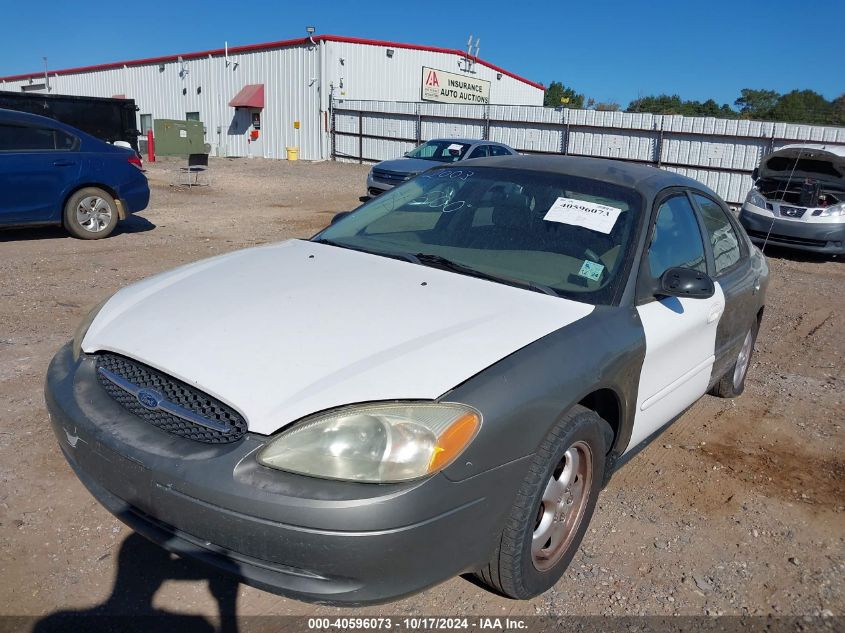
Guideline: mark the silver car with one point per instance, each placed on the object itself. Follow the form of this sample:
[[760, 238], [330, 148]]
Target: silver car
[[389, 173]]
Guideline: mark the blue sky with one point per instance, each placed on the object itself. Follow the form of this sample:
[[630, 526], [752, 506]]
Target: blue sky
[[610, 50]]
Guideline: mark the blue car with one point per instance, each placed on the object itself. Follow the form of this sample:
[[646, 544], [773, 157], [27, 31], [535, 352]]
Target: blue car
[[52, 173]]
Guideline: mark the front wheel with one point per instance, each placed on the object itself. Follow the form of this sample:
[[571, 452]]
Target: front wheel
[[90, 214], [552, 508]]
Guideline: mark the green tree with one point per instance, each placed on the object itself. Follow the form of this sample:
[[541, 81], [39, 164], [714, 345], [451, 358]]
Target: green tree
[[660, 104], [673, 104], [606, 106], [708, 108], [839, 110], [756, 104], [558, 95], [803, 106]]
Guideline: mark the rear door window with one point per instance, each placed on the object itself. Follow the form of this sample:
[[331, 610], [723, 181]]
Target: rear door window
[[498, 150], [65, 141], [479, 152], [723, 237], [17, 138]]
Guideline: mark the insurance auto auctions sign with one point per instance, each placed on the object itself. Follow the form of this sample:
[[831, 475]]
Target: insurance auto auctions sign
[[438, 85]]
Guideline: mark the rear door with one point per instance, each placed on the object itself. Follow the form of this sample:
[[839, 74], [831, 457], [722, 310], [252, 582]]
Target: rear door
[[730, 267], [680, 333], [37, 166]]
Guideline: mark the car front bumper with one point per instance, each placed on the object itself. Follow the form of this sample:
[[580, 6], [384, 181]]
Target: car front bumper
[[817, 237], [376, 187], [311, 539]]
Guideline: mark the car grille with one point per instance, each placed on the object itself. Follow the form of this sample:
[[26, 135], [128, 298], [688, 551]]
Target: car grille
[[167, 403], [390, 177], [791, 212]]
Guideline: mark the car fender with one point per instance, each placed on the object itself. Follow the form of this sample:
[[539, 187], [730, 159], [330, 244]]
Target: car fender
[[522, 396]]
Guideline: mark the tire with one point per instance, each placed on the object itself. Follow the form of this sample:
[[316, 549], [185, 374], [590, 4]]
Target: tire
[[90, 214], [520, 569], [732, 383]]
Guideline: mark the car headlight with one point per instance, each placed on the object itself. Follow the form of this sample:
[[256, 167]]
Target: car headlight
[[832, 211], [375, 443], [82, 330], [756, 198]]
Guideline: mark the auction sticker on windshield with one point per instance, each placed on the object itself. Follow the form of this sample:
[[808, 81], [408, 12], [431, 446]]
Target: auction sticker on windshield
[[590, 215], [591, 270]]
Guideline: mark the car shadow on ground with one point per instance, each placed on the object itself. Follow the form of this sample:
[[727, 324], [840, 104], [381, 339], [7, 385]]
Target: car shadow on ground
[[142, 568], [132, 224]]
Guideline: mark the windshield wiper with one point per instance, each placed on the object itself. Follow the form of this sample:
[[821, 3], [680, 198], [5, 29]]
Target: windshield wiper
[[438, 261], [403, 256]]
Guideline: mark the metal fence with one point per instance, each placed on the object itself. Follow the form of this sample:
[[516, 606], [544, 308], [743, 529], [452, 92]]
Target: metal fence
[[718, 152]]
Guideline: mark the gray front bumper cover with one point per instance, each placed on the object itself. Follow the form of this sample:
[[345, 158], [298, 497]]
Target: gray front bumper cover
[[312, 539]]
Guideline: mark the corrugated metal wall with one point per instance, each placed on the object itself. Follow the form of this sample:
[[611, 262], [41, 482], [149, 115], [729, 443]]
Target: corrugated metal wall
[[718, 152], [208, 87], [298, 82], [361, 71]]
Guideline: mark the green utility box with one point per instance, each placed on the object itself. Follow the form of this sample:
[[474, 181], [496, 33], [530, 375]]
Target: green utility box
[[179, 138]]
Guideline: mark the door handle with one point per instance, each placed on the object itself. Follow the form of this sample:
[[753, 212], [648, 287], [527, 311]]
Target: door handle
[[715, 313], [63, 163]]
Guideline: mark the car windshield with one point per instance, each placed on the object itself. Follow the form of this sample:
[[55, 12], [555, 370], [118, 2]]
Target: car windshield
[[440, 151], [563, 235]]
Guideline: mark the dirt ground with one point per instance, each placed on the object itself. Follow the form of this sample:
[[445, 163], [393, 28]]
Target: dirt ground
[[739, 508]]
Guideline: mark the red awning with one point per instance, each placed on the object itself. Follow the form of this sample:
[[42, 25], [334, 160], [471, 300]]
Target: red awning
[[250, 96]]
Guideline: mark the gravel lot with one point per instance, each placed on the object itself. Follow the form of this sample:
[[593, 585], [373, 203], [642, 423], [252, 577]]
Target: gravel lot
[[739, 508]]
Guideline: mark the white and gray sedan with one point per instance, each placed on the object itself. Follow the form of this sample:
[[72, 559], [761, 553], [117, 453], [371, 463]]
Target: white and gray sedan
[[438, 383], [389, 173]]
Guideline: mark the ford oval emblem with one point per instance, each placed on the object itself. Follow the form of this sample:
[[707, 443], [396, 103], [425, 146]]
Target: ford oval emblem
[[149, 399]]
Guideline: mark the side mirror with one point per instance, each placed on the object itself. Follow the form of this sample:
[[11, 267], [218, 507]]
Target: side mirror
[[686, 282], [407, 154], [755, 173], [339, 216]]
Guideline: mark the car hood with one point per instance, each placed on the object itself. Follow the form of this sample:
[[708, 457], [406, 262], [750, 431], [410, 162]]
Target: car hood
[[407, 165], [282, 331], [819, 163]]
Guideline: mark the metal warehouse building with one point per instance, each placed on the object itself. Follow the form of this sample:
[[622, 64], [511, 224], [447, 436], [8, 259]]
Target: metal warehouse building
[[285, 88]]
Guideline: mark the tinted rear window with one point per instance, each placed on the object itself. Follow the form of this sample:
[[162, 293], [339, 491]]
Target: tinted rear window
[[20, 138]]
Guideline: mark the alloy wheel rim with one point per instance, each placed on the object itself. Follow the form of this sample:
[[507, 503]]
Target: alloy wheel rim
[[562, 506], [93, 214], [742, 360]]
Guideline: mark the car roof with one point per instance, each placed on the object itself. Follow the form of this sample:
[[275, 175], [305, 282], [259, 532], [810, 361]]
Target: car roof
[[646, 179], [468, 141]]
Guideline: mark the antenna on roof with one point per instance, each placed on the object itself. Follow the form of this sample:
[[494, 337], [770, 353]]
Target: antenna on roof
[[46, 76], [469, 58]]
